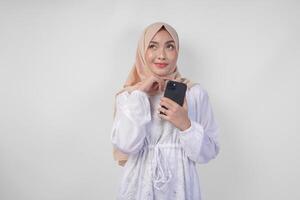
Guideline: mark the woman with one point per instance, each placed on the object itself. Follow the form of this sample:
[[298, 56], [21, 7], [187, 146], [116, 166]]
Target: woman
[[159, 152]]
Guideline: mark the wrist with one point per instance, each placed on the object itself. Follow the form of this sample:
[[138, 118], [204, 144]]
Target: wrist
[[186, 125]]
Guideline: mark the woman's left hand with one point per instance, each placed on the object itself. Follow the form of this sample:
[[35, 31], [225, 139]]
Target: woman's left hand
[[176, 114]]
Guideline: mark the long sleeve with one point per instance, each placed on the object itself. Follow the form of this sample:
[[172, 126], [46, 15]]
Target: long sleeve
[[200, 140], [129, 126]]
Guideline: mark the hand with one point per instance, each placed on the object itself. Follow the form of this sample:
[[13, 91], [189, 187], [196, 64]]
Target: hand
[[176, 114], [152, 85]]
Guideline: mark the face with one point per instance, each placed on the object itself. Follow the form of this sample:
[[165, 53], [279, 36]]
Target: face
[[161, 54]]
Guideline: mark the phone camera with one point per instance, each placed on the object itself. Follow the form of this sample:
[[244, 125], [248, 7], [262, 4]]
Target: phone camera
[[172, 86]]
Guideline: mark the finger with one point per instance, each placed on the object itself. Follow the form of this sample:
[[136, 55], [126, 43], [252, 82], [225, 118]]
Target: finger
[[154, 85], [185, 105], [169, 101], [163, 116], [163, 110], [161, 85], [167, 79], [166, 104], [156, 78], [159, 81]]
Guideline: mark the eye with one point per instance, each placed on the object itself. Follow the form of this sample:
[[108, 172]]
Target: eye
[[151, 46], [171, 46]]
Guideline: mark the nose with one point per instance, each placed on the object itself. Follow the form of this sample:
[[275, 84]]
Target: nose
[[162, 54]]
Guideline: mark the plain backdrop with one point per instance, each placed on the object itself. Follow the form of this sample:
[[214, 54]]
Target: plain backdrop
[[61, 62]]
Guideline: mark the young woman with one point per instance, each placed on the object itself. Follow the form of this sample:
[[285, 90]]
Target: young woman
[[159, 152]]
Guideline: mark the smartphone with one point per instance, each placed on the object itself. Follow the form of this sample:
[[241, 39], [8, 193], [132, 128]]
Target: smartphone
[[175, 91]]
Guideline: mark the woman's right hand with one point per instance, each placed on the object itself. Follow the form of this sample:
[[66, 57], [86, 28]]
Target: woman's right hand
[[152, 85]]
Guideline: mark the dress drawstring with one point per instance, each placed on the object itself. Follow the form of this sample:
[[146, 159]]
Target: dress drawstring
[[161, 172]]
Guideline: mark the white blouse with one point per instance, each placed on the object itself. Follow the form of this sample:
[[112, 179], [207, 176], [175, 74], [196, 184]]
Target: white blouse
[[162, 159]]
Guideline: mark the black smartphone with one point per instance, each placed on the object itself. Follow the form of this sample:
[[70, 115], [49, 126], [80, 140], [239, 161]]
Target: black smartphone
[[175, 91]]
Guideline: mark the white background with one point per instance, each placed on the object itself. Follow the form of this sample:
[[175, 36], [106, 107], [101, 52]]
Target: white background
[[61, 62]]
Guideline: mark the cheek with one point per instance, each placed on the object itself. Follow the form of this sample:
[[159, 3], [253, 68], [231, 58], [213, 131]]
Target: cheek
[[173, 57], [149, 57]]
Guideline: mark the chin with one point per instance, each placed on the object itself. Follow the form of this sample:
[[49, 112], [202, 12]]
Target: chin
[[161, 72]]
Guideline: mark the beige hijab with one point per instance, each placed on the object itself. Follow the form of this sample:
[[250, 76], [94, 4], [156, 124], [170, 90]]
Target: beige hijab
[[140, 71]]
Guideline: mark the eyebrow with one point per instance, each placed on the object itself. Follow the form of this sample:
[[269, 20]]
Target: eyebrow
[[166, 42]]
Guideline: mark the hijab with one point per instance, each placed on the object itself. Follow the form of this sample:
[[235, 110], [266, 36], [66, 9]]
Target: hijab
[[140, 71]]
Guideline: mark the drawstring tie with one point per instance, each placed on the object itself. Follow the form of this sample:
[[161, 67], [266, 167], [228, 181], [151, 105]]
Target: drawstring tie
[[161, 172]]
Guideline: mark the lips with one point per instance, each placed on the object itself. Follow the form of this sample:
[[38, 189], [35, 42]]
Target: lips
[[161, 65]]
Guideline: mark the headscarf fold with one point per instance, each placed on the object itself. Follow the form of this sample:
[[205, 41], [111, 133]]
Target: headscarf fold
[[140, 71]]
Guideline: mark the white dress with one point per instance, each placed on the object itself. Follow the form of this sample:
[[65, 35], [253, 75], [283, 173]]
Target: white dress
[[162, 159]]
